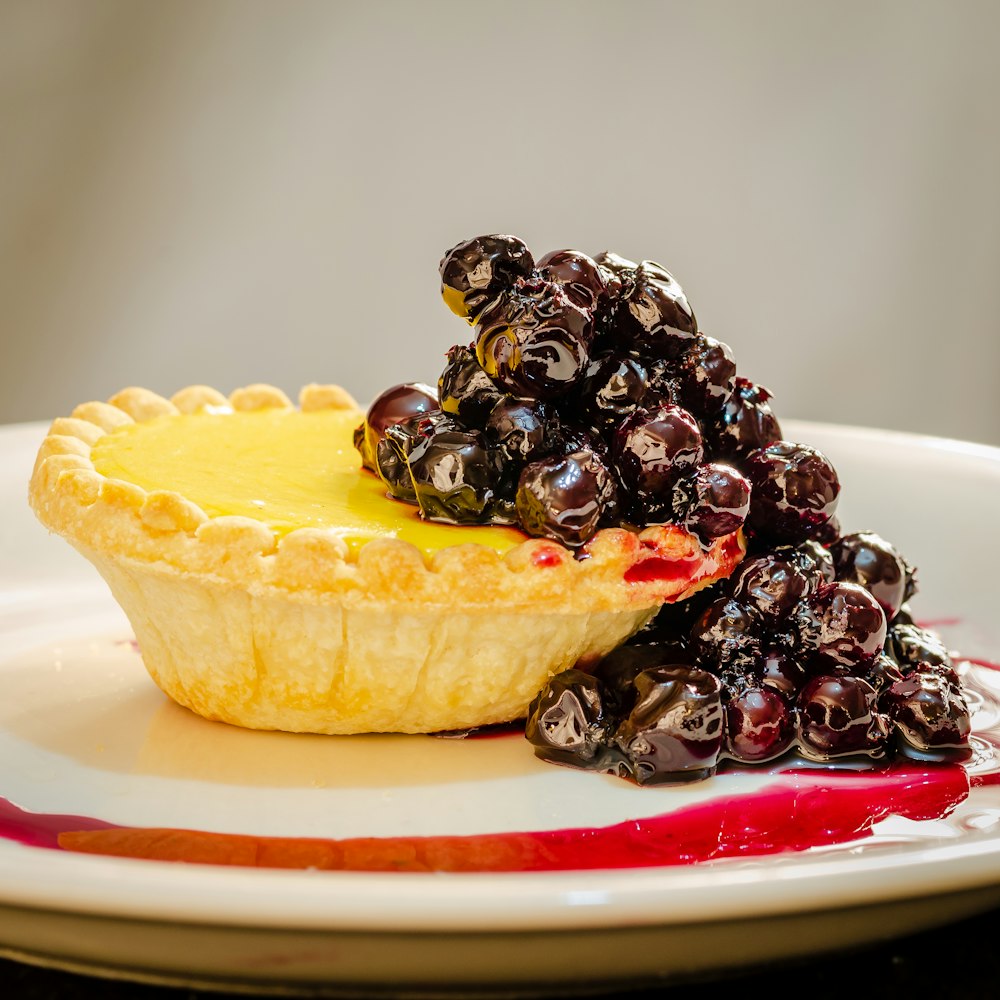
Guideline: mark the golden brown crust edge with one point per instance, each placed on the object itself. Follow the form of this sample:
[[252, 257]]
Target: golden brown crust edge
[[174, 536]]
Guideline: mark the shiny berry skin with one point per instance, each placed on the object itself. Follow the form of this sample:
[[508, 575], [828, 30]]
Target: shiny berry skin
[[537, 343], [882, 672], [706, 377], [760, 725], [391, 406], [612, 389], [455, 476], [618, 273], [653, 318], [465, 390], [566, 721], [675, 729], [393, 451], [770, 585], [747, 422], [565, 497], [582, 280], [928, 711], [618, 670], [911, 645], [851, 627], [837, 717], [714, 501], [812, 559], [868, 559], [654, 448], [518, 427], [726, 634], [475, 272], [795, 491], [779, 671]]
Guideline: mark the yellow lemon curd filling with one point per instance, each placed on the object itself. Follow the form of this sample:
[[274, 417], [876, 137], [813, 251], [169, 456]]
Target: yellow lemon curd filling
[[287, 468]]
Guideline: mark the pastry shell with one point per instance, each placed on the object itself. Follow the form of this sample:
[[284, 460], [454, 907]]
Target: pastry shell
[[301, 634]]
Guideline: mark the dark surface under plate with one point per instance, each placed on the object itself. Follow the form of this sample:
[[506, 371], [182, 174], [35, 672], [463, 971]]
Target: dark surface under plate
[[958, 960]]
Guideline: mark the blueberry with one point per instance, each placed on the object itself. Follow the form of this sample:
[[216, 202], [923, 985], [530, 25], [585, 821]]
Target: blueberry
[[391, 406], [837, 717], [456, 477], [781, 672], [747, 422], [583, 281], [760, 725], [726, 634], [705, 377], [653, 318], [675, 729], [713, 502], [519, 428], [654, 448], [537, 342], [928, 711], [465, 390], [612, 389], [795, 491], [868, 559], [911, 645], [566, 721], [618, 670], [565, 497], [476, 272], [852, 627], [770, 585]]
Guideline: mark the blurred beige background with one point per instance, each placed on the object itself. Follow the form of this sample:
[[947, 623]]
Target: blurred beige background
[[231, 192]]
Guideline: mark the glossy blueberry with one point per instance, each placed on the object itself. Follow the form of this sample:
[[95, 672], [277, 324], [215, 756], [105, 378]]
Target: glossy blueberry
[[851, 627], [770, 585], [654, 448], [705, 377], [795, 491], [465, 390], [565, 497], [519, 428], [537, 342], [391, 406], [675, 729], [456, 476], [713, 501], [579, 275], [928, 711], [566, 721], [476, 272], [613, 388], [618, 670], [760, 725], [727, 633], [868, 559], [747, 422], [911, 645], [653, 318], [838, 716]]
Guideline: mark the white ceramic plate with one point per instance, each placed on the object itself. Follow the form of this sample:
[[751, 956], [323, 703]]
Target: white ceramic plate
[[83, 731]]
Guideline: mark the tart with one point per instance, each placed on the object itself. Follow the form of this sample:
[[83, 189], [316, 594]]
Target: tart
[[272, 585]]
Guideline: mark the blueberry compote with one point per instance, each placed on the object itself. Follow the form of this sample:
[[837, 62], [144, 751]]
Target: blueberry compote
[[585, 398], [797, 653], [588, 397]]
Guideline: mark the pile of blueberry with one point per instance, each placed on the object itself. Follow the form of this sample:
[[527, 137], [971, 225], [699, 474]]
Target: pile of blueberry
[[588, 398], [806, 649]]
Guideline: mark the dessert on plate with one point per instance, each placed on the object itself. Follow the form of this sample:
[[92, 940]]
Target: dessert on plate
[[477, 552]]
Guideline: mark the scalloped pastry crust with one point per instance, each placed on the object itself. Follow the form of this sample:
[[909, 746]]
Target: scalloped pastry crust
[[299, 634]]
